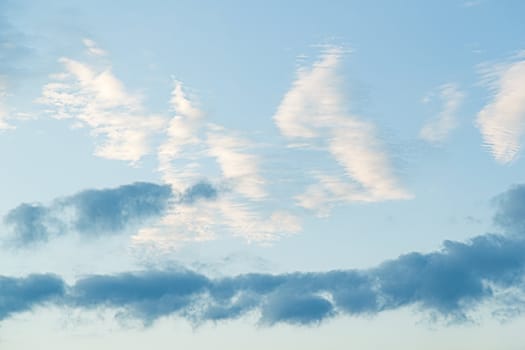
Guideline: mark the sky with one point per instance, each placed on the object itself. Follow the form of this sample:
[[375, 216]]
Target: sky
[[300, 174]]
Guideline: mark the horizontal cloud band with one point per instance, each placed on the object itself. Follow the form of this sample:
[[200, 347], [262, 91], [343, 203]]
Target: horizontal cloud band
[[450, 282]]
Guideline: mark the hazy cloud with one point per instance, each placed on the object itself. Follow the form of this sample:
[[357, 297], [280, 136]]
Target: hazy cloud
[[439, 128]]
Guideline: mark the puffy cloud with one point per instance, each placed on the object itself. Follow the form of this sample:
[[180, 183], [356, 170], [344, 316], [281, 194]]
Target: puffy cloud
[[314, 111], [98, 99], [439, 128], [502, 120]]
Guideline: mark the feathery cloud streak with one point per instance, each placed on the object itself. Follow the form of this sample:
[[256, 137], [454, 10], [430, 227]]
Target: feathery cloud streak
[[314, 111], [193, 144], [502, 120], [96, 98]]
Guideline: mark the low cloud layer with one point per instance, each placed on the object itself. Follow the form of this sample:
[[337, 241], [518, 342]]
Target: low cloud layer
[[449, 282], [98, 212]]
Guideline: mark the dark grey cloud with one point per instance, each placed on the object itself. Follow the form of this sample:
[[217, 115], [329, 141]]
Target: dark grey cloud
[[449, 282], [99, 212]]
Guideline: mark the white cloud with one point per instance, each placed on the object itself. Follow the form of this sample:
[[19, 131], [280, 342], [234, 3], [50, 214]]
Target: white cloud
[[439, 128], [97, 99], [193, 145], [183, 131], [315, 111], [238, 167], [502, 120], [92, 48]]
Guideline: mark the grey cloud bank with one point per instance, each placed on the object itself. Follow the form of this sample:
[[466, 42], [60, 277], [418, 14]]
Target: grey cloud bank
[[450, 282]]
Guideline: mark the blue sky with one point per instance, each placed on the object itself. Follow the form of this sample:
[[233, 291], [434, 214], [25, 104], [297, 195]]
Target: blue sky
[[308, 174]]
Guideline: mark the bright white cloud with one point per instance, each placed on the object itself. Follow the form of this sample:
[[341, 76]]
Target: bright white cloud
[[314, 111], [439, 128], [502, 120], [98, 100]]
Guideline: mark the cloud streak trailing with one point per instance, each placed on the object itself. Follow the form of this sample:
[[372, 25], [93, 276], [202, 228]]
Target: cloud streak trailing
[[450, 282]]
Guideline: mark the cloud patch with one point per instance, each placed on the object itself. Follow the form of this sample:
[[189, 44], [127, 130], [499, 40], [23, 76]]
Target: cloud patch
[[314, 113], [97, 99], [98, 212]]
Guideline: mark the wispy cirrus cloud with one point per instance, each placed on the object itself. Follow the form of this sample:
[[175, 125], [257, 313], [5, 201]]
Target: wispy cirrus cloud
[[502, 120], [450, 282], [439, 128], [193, 145], [314, 112], [97, 99]]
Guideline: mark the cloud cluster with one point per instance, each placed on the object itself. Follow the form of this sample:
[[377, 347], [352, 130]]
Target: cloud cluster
[[314, 112], [449, 282]]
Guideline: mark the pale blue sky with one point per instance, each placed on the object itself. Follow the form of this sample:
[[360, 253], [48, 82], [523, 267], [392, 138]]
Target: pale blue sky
[[236, 137]]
